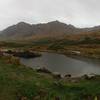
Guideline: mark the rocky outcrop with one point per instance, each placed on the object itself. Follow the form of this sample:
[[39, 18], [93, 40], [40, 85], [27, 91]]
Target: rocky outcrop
[[43, 70], [24, 54]]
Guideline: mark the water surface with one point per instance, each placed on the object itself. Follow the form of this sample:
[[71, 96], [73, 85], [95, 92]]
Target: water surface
[[63, 64]]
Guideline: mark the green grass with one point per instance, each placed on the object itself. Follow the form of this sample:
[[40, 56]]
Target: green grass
[[17, 81]]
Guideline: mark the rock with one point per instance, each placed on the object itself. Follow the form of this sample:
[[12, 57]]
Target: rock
[[88, 77], [9, 52], [24, 54], [67, 75], [43, 70], [57, 83], [85, 76], [24, 98], [56, 75]]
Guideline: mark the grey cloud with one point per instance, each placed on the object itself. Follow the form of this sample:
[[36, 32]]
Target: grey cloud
[[81, 13]]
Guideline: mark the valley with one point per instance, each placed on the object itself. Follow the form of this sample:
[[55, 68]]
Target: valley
[[34, 57]]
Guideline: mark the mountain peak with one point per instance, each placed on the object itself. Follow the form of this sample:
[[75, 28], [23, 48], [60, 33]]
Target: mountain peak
[[54, 28], [55, 22], [23, 23]]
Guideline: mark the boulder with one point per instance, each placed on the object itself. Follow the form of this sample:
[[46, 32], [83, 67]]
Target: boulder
[[43, 70], [67, 75], [24, 98], [57, 75], [23, 54], [89, 77]]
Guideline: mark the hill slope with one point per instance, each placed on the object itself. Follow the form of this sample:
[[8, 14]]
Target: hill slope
[[24, 30]]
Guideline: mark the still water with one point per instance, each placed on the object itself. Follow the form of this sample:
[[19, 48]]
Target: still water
[[63, 64]]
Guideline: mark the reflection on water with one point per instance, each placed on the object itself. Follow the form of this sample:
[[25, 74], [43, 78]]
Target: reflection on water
[[64, 65]]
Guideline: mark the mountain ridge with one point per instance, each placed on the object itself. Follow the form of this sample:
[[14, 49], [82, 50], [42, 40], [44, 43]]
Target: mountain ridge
[[50, 29]]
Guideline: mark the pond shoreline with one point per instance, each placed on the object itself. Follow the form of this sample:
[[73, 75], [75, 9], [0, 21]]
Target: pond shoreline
[[57, 62], [74, 56], [39, 54], [70, 53]]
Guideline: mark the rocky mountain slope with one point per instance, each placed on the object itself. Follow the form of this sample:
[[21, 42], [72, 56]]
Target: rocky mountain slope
[[50, 29]]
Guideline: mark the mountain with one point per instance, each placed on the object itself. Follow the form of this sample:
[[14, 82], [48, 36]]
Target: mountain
[[17, 30], [54, 28], [51, 29]]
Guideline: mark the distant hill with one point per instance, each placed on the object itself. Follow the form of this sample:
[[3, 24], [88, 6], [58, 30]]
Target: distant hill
[[24, 30]]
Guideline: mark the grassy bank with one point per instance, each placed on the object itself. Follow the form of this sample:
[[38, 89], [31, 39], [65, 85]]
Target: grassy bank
[[18, 82], [87, 46]]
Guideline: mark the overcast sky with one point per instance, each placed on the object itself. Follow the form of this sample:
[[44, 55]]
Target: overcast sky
[[81, 13]]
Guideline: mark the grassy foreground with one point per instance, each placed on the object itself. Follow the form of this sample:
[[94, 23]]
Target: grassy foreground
[[18, 82]]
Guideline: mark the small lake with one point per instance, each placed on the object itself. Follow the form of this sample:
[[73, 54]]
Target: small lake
[[63, 64]]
